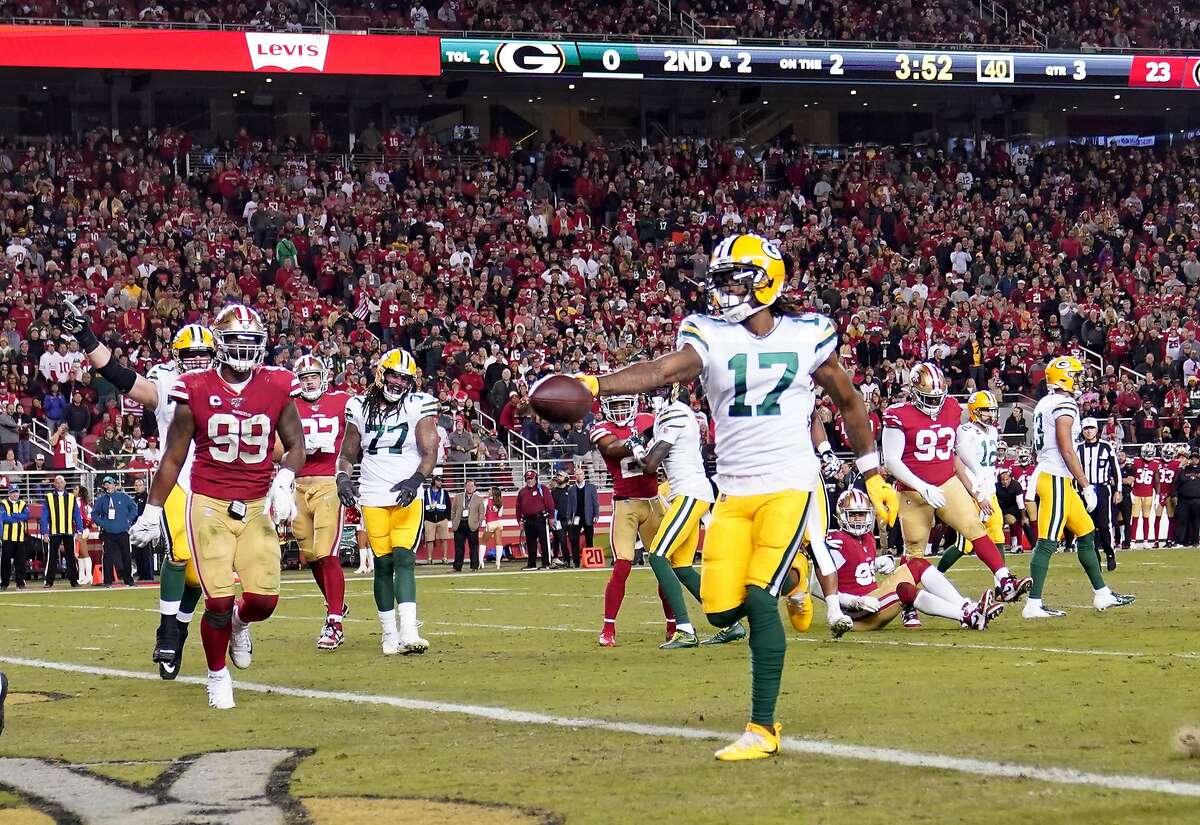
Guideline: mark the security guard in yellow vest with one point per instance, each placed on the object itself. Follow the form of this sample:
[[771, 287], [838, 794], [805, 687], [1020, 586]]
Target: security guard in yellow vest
[[61, 521], [14, 513]]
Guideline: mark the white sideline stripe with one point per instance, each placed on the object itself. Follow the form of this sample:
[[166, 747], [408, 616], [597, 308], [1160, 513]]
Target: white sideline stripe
[[834, 750]]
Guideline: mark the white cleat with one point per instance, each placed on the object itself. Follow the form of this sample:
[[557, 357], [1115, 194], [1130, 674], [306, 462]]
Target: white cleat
[[241, 648], [841, 626], [220, 690], [1110, 599], [1030, 611], [412, 643], [391, 644]]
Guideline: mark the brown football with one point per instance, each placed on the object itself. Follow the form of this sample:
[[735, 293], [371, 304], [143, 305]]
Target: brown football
[[560, 399]]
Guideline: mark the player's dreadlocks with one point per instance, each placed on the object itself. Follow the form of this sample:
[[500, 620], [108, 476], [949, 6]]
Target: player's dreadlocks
[[375, 405]]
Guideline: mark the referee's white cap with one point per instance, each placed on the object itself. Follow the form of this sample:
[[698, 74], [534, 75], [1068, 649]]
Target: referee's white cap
[[1089, 422]]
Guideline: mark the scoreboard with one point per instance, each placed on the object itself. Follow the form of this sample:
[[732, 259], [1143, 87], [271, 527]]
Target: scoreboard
[[781, 64]]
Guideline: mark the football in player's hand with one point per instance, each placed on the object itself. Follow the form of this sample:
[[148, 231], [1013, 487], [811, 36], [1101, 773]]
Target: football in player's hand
[[560, 399]]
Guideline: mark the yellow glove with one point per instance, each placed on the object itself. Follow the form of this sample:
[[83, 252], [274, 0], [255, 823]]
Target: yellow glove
[[883, 496], [590, 381]]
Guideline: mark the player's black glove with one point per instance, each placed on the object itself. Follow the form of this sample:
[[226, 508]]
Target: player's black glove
[[406, 490], [76, 323], [347, 495]]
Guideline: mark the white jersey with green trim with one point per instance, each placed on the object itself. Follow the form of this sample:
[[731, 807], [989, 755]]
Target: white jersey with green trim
[[760, 391], [976, 445], [676, 425], [1045, 435], [164, 377], [389, 445]]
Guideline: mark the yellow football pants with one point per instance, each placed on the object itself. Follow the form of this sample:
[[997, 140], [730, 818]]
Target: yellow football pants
[[1061, 507], [178, 547], [752, 540], [994, 527], [679, 532], [395, 526]]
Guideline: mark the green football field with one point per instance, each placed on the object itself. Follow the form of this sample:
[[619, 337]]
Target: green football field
[[515, 714]]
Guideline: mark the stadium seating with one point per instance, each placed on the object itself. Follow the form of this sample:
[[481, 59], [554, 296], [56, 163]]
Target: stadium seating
[[1158, 23], [474, 258]]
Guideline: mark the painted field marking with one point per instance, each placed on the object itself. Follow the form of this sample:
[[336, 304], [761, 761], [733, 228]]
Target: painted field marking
[[833, 750]]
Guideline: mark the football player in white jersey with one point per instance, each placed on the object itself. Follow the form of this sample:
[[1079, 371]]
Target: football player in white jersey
[[758, 358], [976, 444], [1062, 505], [179, 590], [394, 429], [675, 447]]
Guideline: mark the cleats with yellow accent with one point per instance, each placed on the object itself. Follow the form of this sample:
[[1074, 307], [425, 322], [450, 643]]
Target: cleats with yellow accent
[[680, 639], [757, 742], [800, 611], [735, 632]]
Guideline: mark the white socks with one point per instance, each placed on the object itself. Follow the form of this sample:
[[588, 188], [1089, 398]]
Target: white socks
[[387, 621], [168, 608], [935, 581], [933, 605], [407, 612], [686, 627]]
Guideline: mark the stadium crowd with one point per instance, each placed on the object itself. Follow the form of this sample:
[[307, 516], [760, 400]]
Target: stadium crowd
[[495, 267], [1080, 24]]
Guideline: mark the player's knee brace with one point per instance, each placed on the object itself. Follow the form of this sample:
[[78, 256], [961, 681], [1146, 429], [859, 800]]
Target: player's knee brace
[[907, 593], [218, 612]]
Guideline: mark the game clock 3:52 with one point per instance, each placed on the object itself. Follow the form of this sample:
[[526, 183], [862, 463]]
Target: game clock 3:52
[[925, 67]]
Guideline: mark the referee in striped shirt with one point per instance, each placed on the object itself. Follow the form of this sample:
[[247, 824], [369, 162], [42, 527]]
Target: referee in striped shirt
[[1099, 459]]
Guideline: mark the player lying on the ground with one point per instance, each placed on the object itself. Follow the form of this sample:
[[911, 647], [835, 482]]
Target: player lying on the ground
[[394, 429], [912, 582], [179, 585]]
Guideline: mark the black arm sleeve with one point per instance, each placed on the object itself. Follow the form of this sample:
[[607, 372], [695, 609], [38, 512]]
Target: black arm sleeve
[[121, 377]]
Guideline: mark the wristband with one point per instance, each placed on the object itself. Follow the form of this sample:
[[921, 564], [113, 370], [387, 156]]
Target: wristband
[[867, 463], [823, 448], [87, 339], [287, 474]]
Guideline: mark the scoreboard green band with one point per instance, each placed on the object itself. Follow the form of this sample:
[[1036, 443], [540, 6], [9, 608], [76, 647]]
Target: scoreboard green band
[[770, 64]]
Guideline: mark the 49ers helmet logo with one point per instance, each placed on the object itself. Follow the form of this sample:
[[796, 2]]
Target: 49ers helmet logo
[[530, 58]]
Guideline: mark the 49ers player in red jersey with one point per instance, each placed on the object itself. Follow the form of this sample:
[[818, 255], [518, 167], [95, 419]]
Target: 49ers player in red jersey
[[232, 412], [1164, 505], [637, 508], [910, 582], [918, 450], [319, 514], [1146, 472]]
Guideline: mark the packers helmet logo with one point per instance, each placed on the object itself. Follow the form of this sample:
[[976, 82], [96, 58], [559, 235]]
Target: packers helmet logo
[[771, 250], [530, 58]]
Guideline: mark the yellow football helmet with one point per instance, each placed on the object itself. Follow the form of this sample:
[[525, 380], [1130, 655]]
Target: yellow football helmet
[[1062, 372], [746, 274], [194, 348], [982, 408], [396, 374]]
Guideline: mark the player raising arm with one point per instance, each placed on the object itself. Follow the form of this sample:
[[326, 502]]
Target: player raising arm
[[394, 430], [179, 586], [1056, 429], [232, 413], [758, 359]]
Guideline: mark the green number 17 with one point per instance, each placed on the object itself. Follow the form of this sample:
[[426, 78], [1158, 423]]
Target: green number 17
[[739, 365]]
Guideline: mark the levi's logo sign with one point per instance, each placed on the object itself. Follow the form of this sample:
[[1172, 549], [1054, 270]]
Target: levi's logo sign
[[287, 51]]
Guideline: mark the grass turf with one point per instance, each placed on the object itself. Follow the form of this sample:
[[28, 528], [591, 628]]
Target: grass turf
[[1097, 692]]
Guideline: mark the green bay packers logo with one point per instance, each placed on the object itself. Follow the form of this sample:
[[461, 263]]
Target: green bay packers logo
[[530, 58], [771, 250]]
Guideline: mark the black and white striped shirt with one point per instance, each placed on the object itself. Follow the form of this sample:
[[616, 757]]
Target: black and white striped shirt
[[1099, 461]]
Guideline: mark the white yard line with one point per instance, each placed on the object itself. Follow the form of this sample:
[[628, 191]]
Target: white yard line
[[1006, 648], [833, 750]]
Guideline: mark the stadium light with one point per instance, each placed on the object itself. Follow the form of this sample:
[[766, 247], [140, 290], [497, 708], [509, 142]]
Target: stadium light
[[268, 80], [571, 86], [1116, 97]]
